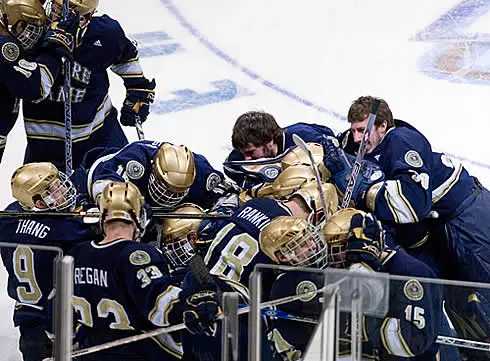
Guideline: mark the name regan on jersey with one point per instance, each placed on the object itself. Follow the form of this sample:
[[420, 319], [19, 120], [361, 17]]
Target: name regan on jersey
[[90, 276]]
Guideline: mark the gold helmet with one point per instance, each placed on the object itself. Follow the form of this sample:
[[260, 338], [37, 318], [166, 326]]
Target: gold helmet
[[172, 176], [122, 201], [310, 195], [32, 13], [40, 186], [335, 234], [294, 241], [290, 180], [180, 234], [85, 8], [298, 156]]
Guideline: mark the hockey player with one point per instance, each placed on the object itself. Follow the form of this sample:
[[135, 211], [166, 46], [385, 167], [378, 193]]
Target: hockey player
[[26, 74], [419, 181], [355, 240], [234, 250], [122, 287], [37, 187], [256, 135], [166, 174], [179, 235], [101, 45]]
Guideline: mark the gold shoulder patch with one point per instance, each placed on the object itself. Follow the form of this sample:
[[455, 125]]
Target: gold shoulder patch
[[413, 290], [139, 258], [10, 51]]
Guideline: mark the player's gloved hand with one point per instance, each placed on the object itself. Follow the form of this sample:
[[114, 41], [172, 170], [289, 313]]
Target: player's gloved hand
[[369, 181], [62, 36], [366, 241], [139, 94], [202, 308]]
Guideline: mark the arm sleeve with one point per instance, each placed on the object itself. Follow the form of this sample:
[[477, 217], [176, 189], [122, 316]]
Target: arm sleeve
[[127, 64], [131, 163], [415, 311], [405, 196], [149, 285], [30, 80]]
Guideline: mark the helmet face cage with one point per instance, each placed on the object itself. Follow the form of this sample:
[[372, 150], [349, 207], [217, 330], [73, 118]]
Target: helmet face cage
[[163, 196], [336, 255], [54, 11], [180, 251], [30, 36], [61, 194], [306, 249]]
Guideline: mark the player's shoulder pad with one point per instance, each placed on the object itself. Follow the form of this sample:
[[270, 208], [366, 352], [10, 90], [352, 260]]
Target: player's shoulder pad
[[107, 27], [10, 51]]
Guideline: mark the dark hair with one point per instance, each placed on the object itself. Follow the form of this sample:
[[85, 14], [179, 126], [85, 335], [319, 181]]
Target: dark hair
[[361, 107], [257, 128]]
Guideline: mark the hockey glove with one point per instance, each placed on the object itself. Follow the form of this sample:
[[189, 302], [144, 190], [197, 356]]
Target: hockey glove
[[136, 106], [202, 308], [62, 36], [366, 241], [339, 163]]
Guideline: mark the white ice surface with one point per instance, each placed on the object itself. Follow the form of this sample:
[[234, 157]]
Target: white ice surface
[[301, 61]]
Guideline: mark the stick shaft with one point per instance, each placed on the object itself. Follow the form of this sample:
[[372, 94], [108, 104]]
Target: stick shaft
[[360, 155]]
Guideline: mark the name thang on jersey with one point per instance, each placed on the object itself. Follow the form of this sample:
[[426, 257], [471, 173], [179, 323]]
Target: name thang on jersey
[[32, 228]]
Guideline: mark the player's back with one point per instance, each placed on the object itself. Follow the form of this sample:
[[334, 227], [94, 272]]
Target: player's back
[[235, 250], [31, 270], [112, 298]]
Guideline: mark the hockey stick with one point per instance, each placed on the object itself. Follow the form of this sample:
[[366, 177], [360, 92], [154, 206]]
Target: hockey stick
[[443, 340], [356, 168], [35, 215], [300, 143], [67, 102], [139, 128], [181, 326]]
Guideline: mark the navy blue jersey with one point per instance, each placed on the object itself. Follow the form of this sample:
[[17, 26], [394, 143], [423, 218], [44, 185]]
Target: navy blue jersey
[[31, 271], [409, 329], [235, 250], [104, 45], [134, 163], [310, 133], [123, 288], [25, 76], [405, 156]]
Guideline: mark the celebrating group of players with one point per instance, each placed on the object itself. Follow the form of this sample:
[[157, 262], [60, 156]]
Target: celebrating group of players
[[414, 212]]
